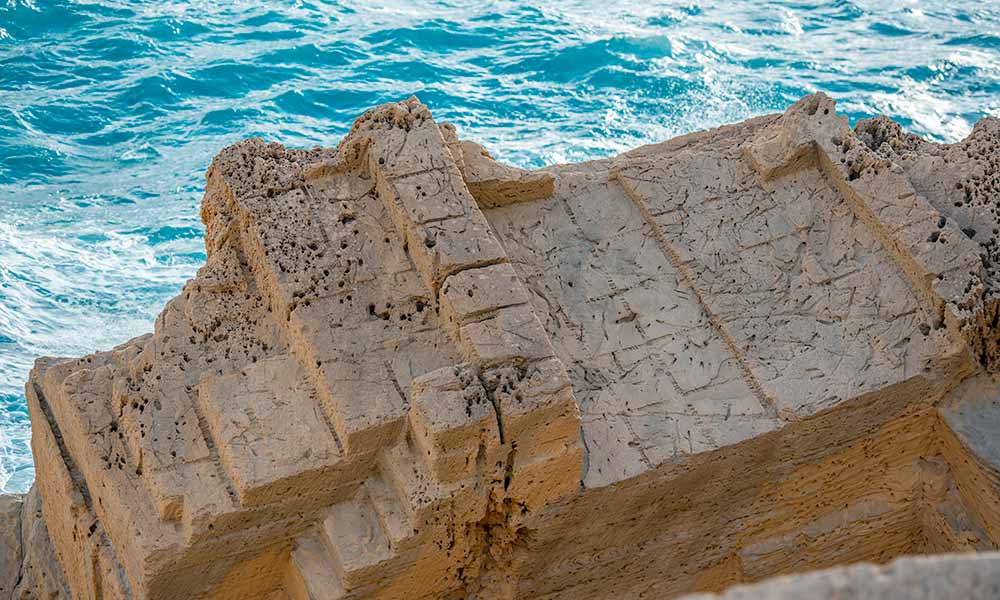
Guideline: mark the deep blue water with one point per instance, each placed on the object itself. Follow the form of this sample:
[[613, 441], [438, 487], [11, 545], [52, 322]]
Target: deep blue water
[[110, 112]]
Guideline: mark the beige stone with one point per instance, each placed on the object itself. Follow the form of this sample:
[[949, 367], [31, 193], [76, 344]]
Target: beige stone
[[918, 578], [475, 294], [269, 430], [491, 183], [407, 370], [10, 542]]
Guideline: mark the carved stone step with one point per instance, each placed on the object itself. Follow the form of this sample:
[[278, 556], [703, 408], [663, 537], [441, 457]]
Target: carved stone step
[[392, 518], [256, 417], [353, 535], [312, 575], [407, 475]]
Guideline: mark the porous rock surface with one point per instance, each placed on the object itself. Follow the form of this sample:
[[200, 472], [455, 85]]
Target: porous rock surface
[[970, 577], [409, 371]]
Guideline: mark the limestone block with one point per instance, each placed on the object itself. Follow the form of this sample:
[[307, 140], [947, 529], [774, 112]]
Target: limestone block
[[536, 406], [473, 293], [495, 184], [425, 196], [970, 414], [442, 248], [361, 346], [258, 420], [366, 405], [512, 334], [419, 181], [352, 533], [407, 140], [454, 421], [60, 493], [39, 573], [10, 540]]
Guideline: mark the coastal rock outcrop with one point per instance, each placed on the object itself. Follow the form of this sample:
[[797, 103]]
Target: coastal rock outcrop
[[409, 371]]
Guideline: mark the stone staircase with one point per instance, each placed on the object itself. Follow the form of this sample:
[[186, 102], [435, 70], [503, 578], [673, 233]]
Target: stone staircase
[[446, 465], [361, 540], [355, 381]]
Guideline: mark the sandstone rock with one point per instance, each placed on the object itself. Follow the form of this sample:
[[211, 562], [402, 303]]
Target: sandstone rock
[[912, 578], [10, 543], [409, 371], [495, 184], [30, 568]]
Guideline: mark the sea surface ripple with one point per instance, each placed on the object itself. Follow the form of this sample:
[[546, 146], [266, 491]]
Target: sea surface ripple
[[111, 111]]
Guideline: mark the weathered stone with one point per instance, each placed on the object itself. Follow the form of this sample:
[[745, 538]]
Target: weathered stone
[[476, 294], [269, 430], [10, 542], [409, 371], [491, 183], [911, 578]]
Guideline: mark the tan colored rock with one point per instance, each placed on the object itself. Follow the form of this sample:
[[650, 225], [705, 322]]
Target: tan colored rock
[[409, 371], [30, 567], [259, 419], [911, 578], [491, 183], [10, 542]]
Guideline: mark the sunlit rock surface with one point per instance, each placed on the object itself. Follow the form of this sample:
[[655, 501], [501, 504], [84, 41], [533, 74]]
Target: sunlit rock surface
[[409, 371]]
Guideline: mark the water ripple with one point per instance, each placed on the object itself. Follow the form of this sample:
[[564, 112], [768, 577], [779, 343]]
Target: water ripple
[[110, 111]]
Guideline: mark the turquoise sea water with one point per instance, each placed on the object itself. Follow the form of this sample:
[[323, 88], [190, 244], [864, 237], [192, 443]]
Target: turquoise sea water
[[111, 111]]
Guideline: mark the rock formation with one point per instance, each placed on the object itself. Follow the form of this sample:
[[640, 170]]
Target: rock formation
[[970, 577], [409, 371]]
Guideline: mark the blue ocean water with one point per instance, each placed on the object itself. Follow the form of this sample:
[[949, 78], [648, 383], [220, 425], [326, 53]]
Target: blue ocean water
[[110, 112]]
